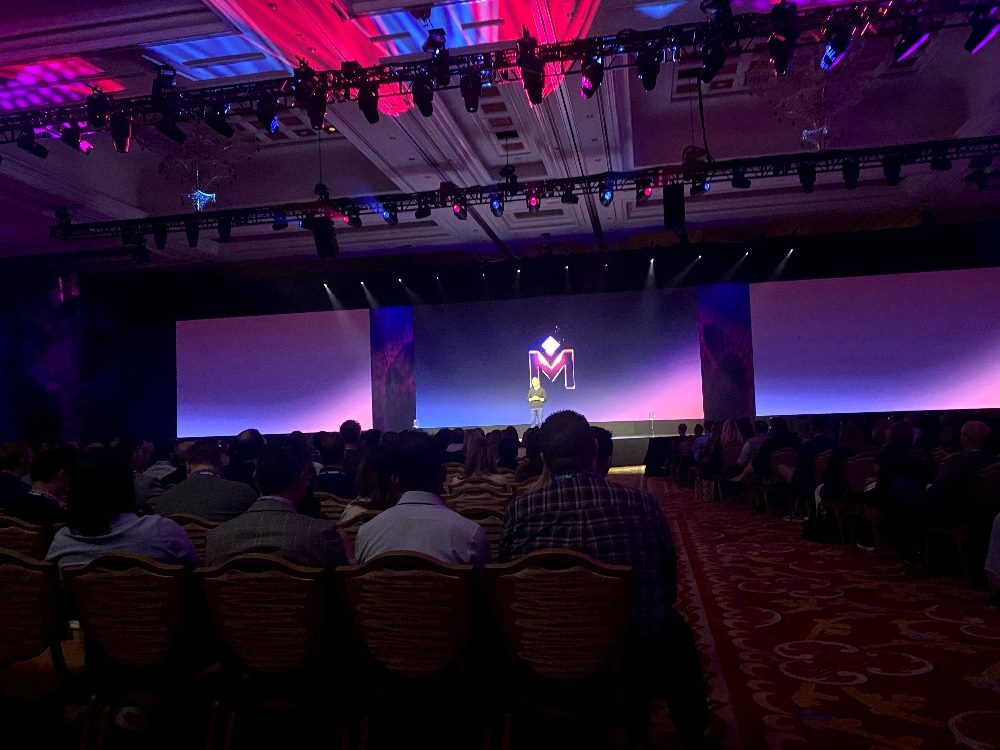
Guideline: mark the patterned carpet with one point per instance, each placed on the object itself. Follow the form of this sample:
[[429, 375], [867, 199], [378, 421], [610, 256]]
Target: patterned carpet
[[827, 646]]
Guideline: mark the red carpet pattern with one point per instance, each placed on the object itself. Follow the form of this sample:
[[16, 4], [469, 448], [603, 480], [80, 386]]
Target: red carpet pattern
[[815, 645]]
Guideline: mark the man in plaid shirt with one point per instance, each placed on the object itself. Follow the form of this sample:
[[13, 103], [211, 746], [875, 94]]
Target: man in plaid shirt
[[584, 512]]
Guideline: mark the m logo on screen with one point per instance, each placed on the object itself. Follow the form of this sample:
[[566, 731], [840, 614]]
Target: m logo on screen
[[552, 362]]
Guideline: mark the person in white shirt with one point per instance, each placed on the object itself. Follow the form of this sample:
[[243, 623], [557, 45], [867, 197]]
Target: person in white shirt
[[420, 521]]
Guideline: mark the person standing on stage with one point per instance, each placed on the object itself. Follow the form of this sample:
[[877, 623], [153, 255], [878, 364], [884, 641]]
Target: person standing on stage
[[536, 402]]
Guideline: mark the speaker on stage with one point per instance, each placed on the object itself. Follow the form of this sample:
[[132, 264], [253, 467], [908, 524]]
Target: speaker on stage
[[659, 450]]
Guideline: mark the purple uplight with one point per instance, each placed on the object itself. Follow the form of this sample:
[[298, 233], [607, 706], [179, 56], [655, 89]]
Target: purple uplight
[[917, 44], [986, 39]]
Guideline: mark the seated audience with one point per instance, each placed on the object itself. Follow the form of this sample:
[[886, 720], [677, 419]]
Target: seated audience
[[274, 525], [480, 462], [507, 455], [530, 467], [730, 446], [752, 444], [581, 511], [350, 431], [420, 521], [993, 559], [605, 451], [376, 488], [453, 445], [243, 454], [701, 440], [778, 438], [370, 439], [101, 518], [45, 503], [15, 468], [205, 492], [333, 477]]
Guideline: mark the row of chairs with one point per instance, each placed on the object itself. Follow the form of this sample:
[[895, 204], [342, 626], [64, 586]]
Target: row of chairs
[[401, 630]]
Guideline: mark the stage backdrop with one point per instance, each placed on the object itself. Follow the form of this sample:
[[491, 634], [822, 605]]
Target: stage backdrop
[[909, 342], [613, 357], [278, 373]]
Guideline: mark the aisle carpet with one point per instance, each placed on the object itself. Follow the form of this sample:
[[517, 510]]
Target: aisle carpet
[[828, 646]]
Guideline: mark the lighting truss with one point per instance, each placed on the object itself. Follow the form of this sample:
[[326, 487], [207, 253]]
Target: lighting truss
[[756, 168], [747, 33]]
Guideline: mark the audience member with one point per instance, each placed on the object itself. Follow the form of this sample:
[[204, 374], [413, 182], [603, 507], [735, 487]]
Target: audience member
[[605, 451], [993, 559], [205, 492], [101, 518], [752, 445], [453, 445], [530, 467], [778, 437], [274, 524], [45, 503], [479, 461], [730, 445], [682, 430], [376, 488], [701, 440], [243, 454], [420, 521], [333, 477], [507, 455], [350, 431], [370, 439], [580, 511], [15, 469]]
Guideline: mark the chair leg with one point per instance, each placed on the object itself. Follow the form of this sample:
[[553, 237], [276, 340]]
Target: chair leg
[[363, 732], [102, 727], [505, 741], [227, 740], [213, 726], [88, 722]]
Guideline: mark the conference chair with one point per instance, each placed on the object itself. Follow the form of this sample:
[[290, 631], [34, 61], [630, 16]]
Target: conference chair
[[196, 528], [23, 537], [137, 617], [491, 519], [412, 622], [349, 531], [859, 472], [820, 464], [780, 460], [274, 624], [563, 620], [330, 505]]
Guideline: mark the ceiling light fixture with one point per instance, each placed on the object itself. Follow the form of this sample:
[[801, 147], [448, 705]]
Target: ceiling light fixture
[[471, 86], [389, 215], [807, 177], [647, 65], [368, 101], [121, 132], [496, 205], [98, 109], [267, 114], [607, 194], [26, 141], [592, 69], [422, 90], [460, 209], [533, 200], [643, 191], [215, 118], [784, 33], [316, 108], [851, 171], [839, 36], [984, 29], [71, 136], [532, 68], [892, 168], [740, 180], [913, 38]]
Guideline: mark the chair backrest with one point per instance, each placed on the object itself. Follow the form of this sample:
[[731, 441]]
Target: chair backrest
[[413, 613], [349, 531], [330, 505], [731, 454], [858, 471], [986, 486], [267, 612], [491, 519], [820, 463], [29, 608], [132, 608], [23, 537], [460, 503], [196, 528], [562, 614], [784, 457]]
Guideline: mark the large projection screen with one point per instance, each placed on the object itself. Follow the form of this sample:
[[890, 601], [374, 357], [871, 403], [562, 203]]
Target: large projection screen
[[631, 354], [278, 373], [910, 342]]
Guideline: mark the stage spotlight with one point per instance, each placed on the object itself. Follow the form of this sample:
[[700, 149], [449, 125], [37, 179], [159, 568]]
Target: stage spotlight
[[160, 236], [368, 101], [838, 40], [304, 83], [435, 42], [851, 170], [70, 135], [325, 237], [647, 65], [699, 186], [592, 69], [568, 198], [162, 95], [460, 210], [977, 177], [389, 215], [423, 208], [423, 94], [740, 181], [121, 132], [471, 86], [984, 29], [225, 227], [913, 38], [939, 159], [27, 142], [191, 230], [316, 108], [807, 177], [784, 33], [496, 205], [532, 69], [215, 118], [98, 109], [643, 192], [267, 114], [352, 217], [168, 126], [280, 221], [607, 194], [892, 167], [533, 200], [713, 57]]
